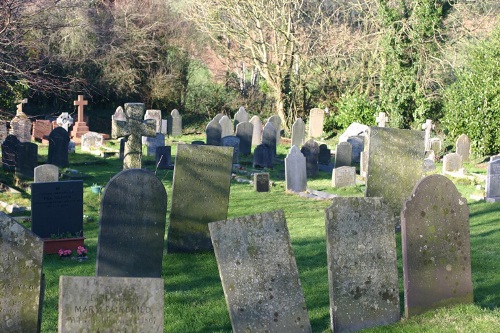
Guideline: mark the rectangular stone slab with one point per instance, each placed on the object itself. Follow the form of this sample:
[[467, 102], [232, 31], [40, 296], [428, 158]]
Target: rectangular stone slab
[[259, 274], [110, 304]]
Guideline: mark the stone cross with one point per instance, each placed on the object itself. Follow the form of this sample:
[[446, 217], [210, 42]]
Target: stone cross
[[428, 127], [134, 128], [80, 102], [20, 106], [65, 120], [381, 119]]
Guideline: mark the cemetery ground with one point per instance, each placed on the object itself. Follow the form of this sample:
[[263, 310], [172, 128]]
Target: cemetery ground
[[194, 299]]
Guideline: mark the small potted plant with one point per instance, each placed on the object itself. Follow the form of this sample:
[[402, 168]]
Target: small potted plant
[[64, 253], [81, 252]]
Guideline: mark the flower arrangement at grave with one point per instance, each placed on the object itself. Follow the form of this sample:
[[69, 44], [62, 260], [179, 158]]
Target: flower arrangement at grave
[[82, 252], [63, 253]]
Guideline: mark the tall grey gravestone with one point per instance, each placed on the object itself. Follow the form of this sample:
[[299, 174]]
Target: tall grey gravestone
[[110, 304], [226, 126], [240, 116], [132, 225], [244, 131], [26, 160], [218, 117], [394, 164], [134, 128], [156, 115], [174, 124], [259, 274], [463, 147], [46, 173], [310, 150], [276, 121], [298, 132], [21, 278], [493, 181], [295, 171], [213, 132], [257, 130], [200, 194], [316, 119], [269, 135], [343, 154], [436, 246], [362, 264], [232, 141], [58, 147]]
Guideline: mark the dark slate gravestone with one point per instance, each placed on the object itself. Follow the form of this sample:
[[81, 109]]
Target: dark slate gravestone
[[261, 182], [362, 264], [324, 154], [213, 133], [174, 124], [263, 157], [357, 144], [310, 150], [276, 121], [394, 164], [343, 154], [21, 278], [257, 130], [132, 228], [58, 147], [164, 157], [493, 181], [9, 147], [298, 132], [244, 131], [57, 208], [259, 274], [269, 135], [295, 171], [436, 246], [46, 173], [123, 141], [26, 159], [200, 194], [110, 304], [152, 143], [232, 141]]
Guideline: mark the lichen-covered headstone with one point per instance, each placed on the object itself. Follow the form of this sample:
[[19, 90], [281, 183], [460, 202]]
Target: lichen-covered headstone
[[298, 132], [213, 132], [259, 274], [463, 147], [436, 145], [119, 115], [316, 119], [276, 121], [46, 173], [343, 154], [26, 160], [226, 126], [91, 141], [21, 278], [295, 171], [58, 147], [452, 162], [244, 131], [344, 176], [310, 150], [156, 116], [493, 181], [174, 124], [362, 264], [257, 130], [110, 304], [200, 194], [20, 126], [436, 246]]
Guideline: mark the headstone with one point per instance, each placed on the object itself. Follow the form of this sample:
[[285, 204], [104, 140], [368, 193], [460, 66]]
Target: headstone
[[134, 129], [46, 173], [310, 150], [257, 130], [494, 158], [164, 157], [381, 119], [65, 121], [91, 141], [463, 147], [20, 126], [429, 164], [26, 160], [259, 274], [354, 129], [362, 264], [436, 145], [119, 115], [436, 246], [122, 148], [394, 164], [493, 181], [58, 147], [343, 154], [156, 115], [218, 117], [226, 126], [316, 119], [295, 171], [164, 126], [132, 225], [80, 127], [261, 181], [298, 132], [9, 148], [21, 278], [200, 194], [240, 116], [324, 156], [3, 131], [357, 144], [213, 132], [452, 162], [41, 129], [175, 123], [57, 208], [363, 164], [71, 146], [232, 141], [152, 143], [110, 304], [428, 127], [276, 121], [269, 135], [244, 131], [344, 176], [263, 157]]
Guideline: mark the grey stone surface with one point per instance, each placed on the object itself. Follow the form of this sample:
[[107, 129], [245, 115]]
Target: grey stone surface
[[295, 171], [269, 135], [213, 133], [344, 176], [357, 144], [20, 126], [324, 156], [257, 130], [119, 115], [232, 141], [200, 194], [175, 123], [310, 150], [343, 154], [316, 119], [91, 141], [21, 278], [354, 129], [428, 127], [163, 157], [218, 117], [154, 142], [26, 160], [261, 181], [298, 132], [363, 164], [244, 131], [9, 147], [164, 126], [156, 116], [58, 147], [276, 121], [463, 147], [436, 146], [394, 164], [436, 246], [263, 157], [259, 274], [429, 165], [110, 304], [240, 116], [362, 264], [452, 162], [132, 225], [46, 173], [226, 126], [493, 181]]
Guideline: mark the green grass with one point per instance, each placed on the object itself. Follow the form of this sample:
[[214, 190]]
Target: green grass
[[194, 299]]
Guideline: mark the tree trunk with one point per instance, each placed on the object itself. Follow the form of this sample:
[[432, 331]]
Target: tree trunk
[[280, 110]]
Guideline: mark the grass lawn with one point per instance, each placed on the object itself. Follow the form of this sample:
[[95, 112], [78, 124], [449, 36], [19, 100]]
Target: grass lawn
[[194, 299]]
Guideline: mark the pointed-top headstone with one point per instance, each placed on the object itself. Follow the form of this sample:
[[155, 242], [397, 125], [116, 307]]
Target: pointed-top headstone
[[463, 147], [213, 132], [240, 116], [295, 171], [174, 124], [257, 130], [226, 126], [298, 132], [276, 121]]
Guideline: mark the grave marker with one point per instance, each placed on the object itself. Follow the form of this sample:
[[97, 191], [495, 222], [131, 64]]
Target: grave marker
[[269, 135], [3, 131], [232, 141], [213, 132], [463, 147], [295, 171], [381, 119], [261, 182], [46, 173], [174, 124], [298, 132], [244, 131], [343, 154], [58, 147], [276, 121], [436, 144], [153, 143], [9, 147], [26, 159], [64, 120], [91, 141], [344, 176], [310, 150], [428, 127], [20, 126], [316, 119], [119, 115], [226, 126], [257, 130], [41, 129], [80, 127], [156, 116], [240, 116], [324, 156], [263, 157], [357, 144], [164, 157], [452, 162], [493, 181]]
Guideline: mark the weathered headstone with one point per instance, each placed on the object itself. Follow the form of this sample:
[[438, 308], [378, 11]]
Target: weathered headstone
[[354, 129], [344, 176], [428, 127], [363, 164], [261, 181], [232, 141], [493, 181], [357, 144], [295, 171], [269, 135], [154, 142], [164, 126], [276, 121], [91, 141], [46, 173], [381, 119], [298, 132], [452, 162], [436, 246], [80, 127], [9, 148], [244, 131], [310, 150], [429, 164], [156, 115], [164, 157], [213, 132], [436, 144], [324, 156], [26, 159], [463, 147], [257, 130], [362, 264], [263, 156], [316, 119], [218, 117], [41, 129], [343, 154], [3, 131], [134, 129], [20, 126], [494, 158], [394, 164], [240, 116], [259, 274], [110, 304], [21, 278], [119, 115], [226, 126], [64, 120], [174, 124], [58, 147], [132, 225], [200, 194]]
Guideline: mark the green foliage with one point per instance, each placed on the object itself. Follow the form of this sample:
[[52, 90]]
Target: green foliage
[[351, 107], [472, 102]]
